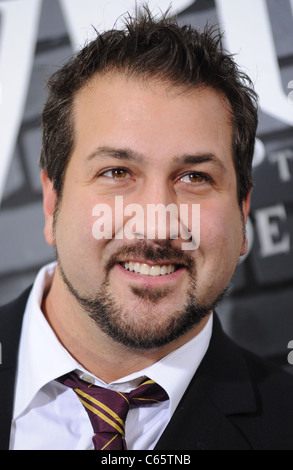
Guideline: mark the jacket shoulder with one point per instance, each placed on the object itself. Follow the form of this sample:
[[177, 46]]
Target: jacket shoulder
[[255, 395], [270, 427], [272, 381], [11, 315]]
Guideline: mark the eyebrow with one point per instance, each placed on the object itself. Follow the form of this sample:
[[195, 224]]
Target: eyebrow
[[131, 155], [119, 153], [196, 158]]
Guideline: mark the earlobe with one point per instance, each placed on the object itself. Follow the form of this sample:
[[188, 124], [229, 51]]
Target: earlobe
[[245, 212], [244, 247], [246, 206], [49, 204]]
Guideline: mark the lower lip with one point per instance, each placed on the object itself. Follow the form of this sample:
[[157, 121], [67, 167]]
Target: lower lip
[[150, 281]]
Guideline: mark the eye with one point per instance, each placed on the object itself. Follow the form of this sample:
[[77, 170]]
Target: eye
[[194, 177], [116, 173]]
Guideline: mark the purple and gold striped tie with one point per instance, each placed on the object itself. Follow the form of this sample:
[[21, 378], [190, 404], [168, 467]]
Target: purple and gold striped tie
[[107, 409]]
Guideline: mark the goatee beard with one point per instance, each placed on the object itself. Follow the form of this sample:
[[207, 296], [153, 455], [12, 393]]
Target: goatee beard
[[122, 327]]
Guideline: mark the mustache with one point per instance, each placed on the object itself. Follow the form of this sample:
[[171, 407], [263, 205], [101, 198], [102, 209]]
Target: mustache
[[166, 254]]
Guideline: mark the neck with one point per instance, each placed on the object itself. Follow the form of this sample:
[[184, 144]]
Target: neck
[[93, 349]]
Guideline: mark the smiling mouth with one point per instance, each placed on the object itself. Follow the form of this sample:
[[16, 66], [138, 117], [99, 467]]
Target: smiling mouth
[[150, 269]]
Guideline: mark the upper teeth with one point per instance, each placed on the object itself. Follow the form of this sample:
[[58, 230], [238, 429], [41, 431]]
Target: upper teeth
[[149, 270]]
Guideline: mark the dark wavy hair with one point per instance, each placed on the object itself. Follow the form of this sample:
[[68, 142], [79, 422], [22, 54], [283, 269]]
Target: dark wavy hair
[[151, 48]]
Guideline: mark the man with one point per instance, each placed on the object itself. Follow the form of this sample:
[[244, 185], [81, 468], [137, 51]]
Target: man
[[155, 114]]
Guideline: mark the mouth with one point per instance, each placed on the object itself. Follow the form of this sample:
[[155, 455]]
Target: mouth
[[153, 270]]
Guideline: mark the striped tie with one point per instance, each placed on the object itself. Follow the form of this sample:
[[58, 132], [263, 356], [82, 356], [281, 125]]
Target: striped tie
[[108, 409]]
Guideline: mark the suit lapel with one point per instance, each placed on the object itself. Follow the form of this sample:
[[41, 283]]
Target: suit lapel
[[220, 389], [10, 327], [198, 424]]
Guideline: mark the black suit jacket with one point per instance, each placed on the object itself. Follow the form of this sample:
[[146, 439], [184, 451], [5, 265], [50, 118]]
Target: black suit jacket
[[235, 401]]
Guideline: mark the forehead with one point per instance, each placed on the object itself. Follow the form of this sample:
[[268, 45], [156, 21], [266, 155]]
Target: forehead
[[151, 118]]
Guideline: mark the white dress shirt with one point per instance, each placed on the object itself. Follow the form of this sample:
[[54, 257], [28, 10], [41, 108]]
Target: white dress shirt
[[48, 417]]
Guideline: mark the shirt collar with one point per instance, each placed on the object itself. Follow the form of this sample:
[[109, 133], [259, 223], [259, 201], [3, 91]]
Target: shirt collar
[[42, 358], [174, 371]]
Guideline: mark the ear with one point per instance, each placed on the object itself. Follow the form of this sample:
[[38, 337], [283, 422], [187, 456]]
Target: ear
[[245, 212], [49, 204]]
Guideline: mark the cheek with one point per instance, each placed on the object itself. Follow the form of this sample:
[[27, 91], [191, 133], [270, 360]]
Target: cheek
[[221, 230], [74, 226], [80, 254]]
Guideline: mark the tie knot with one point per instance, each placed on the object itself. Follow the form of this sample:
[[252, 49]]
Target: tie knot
[[107, 409]]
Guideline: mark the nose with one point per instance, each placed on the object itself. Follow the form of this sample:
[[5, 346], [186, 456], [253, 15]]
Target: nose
[[157, 215]]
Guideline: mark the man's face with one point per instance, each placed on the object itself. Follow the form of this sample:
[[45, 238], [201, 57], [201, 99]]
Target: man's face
[[151, 145]]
